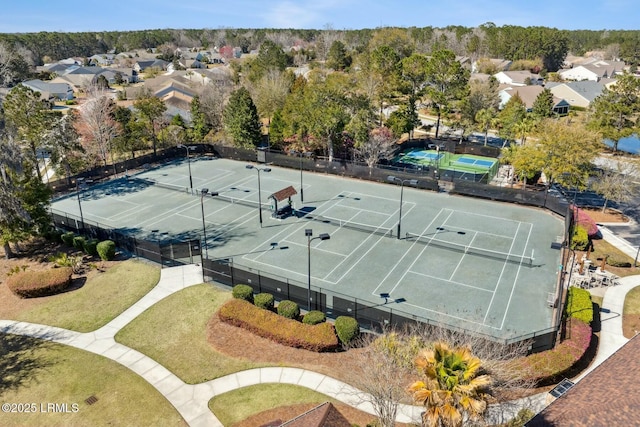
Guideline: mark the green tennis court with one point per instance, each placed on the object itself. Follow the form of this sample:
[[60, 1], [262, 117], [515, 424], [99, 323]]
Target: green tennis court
[[478, 265]]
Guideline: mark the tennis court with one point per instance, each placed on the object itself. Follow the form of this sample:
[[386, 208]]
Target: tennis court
[[479, 265]]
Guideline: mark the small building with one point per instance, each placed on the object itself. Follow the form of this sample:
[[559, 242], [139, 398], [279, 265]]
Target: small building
[[280, 209]]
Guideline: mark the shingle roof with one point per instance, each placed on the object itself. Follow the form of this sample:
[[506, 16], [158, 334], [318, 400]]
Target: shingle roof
[[284, 194], [608, 396]]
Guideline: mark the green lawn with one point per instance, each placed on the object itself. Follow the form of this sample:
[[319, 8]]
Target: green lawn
[[99, 300], [174, 333], [238, 405], [631, 313], [39, 372]]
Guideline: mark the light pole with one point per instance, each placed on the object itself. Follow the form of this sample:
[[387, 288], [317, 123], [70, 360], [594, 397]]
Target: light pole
[[323, 236], [301, 153], [188, 148], [79, 204], [203, 192], [259, 196], [401, 181]]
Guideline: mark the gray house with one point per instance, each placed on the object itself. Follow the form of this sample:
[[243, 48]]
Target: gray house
[[50, 91]]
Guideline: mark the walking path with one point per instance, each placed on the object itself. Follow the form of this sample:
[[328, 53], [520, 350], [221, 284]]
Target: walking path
[[191, 401]]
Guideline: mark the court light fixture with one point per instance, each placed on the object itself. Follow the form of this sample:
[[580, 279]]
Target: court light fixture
[[413, 182], [259, 192], [322, 236]]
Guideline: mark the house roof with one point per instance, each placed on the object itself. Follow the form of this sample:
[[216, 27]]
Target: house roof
[[284, 194], [608, 396], [325, 415], [528, 94], [588, 89]]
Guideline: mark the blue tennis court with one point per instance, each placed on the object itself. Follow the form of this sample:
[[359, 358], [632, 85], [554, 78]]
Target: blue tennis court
[[424, 155], [469, 161]]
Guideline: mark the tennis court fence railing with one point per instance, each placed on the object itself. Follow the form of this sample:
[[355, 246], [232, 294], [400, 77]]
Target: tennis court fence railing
[[465, 249]]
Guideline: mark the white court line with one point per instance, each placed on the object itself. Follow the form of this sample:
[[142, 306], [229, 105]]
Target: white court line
[[352, 252], [372, 211], [450, 281], [375, 292], [490, 216], [462, 258], [164, 214], [515, 282], [445, 314], [453, 228], [504, 266]]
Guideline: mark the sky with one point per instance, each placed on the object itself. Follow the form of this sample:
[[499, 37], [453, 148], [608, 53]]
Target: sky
[[21, 16]]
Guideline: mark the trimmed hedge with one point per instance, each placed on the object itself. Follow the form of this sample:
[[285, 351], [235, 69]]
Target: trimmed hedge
[[289, 309], [314, 317], [67, 238], [264, 301], [243, 292], [579, 305], [39, 283], [347, 329], [106, 250], [78, 242], [615, 262], [551, 364], [285, 331], [580, 238], [91, 247]]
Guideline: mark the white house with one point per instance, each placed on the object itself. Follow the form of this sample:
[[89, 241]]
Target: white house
[[518, 78], [593, 71]]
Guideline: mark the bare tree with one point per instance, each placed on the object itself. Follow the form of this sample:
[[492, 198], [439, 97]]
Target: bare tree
[[96, 124], [380, 145], [616, 185], [383, 376]]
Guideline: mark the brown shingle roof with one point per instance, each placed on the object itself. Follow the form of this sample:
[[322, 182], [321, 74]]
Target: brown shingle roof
[[325, 415], [608, 396], [284, 194]]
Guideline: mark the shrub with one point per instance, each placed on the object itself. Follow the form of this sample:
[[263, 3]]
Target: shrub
[[243, 292], [91, 247], [61, 259], [268, 324], [67, 238], [106, 250], [264, 300], [314, 317], [580, 238], [615, 262], [38, 283], [78, 242], [548, 366], [289, 309], [53, 235], [579, 305], [347, 329]]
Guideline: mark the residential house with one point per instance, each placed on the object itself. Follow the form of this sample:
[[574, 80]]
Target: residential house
[[324, 415], [607, 396], [528, 94], [50, 91], [518, 78], [101, 60], [595, 71], [142, 65], [578, 94]]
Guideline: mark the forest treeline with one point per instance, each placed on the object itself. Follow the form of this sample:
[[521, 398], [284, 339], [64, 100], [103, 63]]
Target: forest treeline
[[509, 42]]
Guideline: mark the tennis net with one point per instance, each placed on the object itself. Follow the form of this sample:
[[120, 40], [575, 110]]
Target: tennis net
[[225, 198], [371, 229], [464, 249]]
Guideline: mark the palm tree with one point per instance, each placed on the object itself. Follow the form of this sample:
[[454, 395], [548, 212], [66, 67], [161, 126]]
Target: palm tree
[[484, 118], [452, 390]]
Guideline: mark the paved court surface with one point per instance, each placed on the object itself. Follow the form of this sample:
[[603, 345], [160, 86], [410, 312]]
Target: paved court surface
[[452, 284]]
